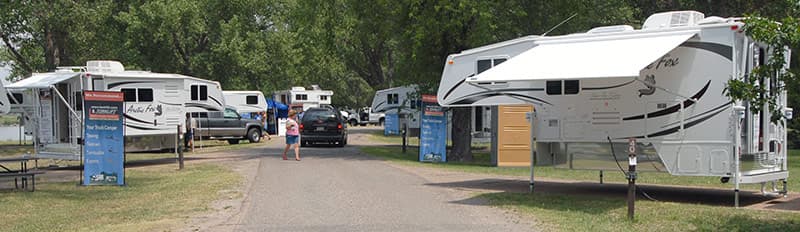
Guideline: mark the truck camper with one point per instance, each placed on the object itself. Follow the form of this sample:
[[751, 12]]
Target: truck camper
[[662, 85]]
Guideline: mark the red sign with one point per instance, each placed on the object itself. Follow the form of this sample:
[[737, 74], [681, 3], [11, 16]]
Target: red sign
[[102, 96], [429, 98]]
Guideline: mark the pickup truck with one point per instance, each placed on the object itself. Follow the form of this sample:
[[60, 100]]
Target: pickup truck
[[227, 125], [365, 116]]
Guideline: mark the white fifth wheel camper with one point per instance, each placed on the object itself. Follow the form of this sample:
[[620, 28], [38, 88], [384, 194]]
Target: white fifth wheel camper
[[662, 85], [246, 101], [155, 103]]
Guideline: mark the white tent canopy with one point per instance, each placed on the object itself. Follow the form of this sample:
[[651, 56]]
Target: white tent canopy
[[582, 58], [42, 80]]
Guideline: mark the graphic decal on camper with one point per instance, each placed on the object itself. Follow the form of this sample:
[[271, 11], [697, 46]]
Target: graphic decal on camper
[[113, 85], [140, 128], [698, 115], [649, 82], [720, 49], [171, 104], [673, 108], [215, 100], [472, 98], [456, 86], [677, 128], [129, 117], [204, 106], [608, 87]]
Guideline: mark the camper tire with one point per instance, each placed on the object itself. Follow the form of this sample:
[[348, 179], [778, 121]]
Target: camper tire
[[253, 135], [380, 122], [233, 141], [353, 122]]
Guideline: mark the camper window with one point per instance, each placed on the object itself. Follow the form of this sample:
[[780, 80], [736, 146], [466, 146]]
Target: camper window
[[128, 95], [199, 92], [323, 98], [553, 87], [252, 100], [199, 114], [203, 93], [15, 98], [484, 65], [301, 97], [571, 87], [392, 99], [498, 61], [145, 95]]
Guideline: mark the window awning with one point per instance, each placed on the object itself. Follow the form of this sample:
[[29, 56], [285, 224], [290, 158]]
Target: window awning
[[42, 80], [589, 57]]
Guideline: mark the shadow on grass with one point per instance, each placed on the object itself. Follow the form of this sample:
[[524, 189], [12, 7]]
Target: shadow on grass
[[675, 194]]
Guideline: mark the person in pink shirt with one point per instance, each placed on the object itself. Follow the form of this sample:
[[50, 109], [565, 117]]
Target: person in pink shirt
[[292, 135]]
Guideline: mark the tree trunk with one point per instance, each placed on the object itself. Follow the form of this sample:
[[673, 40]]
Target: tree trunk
[[462, 138]]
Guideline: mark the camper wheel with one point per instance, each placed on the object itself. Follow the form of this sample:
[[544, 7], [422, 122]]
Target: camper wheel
[[253, 135], [353, 122], [380, 122]]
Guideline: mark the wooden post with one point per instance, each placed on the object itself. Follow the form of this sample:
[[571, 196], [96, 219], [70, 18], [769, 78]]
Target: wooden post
[[403, 132]]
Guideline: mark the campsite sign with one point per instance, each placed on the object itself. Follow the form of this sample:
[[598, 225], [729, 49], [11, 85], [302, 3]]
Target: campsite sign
[[433, 133], [104, 147]]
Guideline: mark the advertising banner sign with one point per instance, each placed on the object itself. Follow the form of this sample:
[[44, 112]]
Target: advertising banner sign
[[391, 124], [433, 132], [104, 147]]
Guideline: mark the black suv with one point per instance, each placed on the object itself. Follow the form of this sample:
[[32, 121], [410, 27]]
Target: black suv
[[323, 124]]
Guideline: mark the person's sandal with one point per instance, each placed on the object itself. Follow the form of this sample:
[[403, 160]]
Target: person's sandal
[[298, 159]]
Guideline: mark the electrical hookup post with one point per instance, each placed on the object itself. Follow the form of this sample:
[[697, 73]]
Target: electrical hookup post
[[631, 177], [433, 131], [104, 141]]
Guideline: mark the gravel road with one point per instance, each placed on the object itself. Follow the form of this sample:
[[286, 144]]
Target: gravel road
[[337, 189]]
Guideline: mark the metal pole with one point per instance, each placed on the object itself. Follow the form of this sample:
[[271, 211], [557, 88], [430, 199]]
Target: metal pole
[[737, 151], [404, 137], [601, 176], [180, 152], [531, 116], [631, 177]]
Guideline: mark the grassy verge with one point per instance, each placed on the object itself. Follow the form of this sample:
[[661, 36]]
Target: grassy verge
[[589, 213], [155, 198]]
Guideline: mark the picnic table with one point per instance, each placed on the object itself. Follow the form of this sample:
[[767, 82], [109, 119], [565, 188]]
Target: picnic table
[[22, 174]]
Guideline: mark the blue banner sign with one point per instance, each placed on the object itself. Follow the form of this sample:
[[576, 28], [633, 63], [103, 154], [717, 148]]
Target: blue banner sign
[[433, 132], [391, 124], [104, 147]]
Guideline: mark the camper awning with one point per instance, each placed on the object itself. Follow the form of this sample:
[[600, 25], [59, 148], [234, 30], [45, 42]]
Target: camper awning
[[42, 80], [588, 57]]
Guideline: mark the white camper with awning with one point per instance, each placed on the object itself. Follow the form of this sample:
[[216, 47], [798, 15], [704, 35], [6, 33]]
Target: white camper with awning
[[662, 85], [154, 105]]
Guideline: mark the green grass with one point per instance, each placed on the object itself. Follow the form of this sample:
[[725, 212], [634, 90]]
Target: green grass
[[558, 212], [9, 120], [155, 198]]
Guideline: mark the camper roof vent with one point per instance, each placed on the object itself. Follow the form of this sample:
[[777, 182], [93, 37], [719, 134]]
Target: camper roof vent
[[713, 20], [298, 88], [673, 19], [315, 87], [607, 29], [104, 66]]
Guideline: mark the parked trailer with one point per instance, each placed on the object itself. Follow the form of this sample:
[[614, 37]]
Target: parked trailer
[[662, 85], [155, 103], [246, 101]]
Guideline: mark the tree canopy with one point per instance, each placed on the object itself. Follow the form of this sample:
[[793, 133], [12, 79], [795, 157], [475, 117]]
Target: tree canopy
[[351, 47]]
